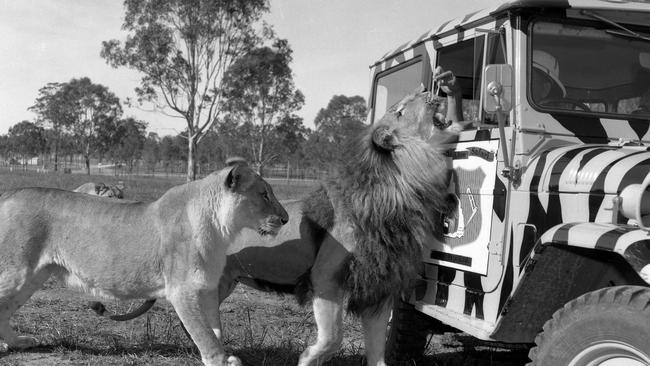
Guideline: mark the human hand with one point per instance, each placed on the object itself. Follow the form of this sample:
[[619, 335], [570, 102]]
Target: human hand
[[446, 81]]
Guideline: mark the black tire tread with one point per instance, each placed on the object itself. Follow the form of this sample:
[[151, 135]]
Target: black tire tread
[[634, 297], [408, 333]]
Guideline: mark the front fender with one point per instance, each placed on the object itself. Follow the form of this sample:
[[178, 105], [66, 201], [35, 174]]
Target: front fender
[[630, 242]]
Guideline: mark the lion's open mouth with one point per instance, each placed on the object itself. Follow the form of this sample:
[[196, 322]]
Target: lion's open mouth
[[438, 108]]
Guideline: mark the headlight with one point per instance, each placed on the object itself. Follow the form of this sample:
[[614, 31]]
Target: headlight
[[635, 203]]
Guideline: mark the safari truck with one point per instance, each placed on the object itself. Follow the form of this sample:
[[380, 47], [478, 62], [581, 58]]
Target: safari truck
[[550, 244]]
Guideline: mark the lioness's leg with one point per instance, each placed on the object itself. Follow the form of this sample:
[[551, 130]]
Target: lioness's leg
[[15, 289], [188, 307], [374, 333], [210, 302]]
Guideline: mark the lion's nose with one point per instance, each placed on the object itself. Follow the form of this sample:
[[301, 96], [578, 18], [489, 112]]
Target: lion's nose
[[284, 220]]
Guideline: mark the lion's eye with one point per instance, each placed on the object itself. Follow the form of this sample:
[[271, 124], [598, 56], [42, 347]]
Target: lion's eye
[[399, 110], [265, 196]]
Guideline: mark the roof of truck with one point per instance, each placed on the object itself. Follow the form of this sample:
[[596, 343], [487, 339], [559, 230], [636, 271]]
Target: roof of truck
[[489, 14]]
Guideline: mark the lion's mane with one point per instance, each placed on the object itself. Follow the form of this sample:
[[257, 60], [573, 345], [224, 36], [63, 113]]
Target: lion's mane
[[392, 199]]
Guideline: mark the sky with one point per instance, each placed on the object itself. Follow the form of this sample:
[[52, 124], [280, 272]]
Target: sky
[[334, 42]]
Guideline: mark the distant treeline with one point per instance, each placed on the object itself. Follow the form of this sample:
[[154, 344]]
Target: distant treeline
[[124, 143]]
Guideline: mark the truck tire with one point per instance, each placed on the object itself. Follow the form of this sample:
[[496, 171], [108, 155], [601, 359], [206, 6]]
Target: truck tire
[[407, 335], [606, 327]]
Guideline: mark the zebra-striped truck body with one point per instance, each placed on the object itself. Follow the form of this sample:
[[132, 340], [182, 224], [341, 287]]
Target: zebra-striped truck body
[[554, 211]]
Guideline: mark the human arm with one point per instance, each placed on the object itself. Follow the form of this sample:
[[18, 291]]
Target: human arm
[[449, 85]]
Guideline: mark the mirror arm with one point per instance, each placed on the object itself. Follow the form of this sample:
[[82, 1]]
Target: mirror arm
[[495, 89]]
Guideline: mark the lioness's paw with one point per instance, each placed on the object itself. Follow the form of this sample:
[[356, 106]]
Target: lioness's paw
[[4, 347], [22, 342], [234, 361]]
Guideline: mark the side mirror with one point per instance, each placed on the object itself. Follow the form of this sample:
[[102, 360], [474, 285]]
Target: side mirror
[[497, 81]]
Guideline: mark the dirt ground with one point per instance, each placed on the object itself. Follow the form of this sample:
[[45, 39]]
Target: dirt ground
[[262, 329]]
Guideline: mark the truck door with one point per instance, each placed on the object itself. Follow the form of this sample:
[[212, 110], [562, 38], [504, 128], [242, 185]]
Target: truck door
[[471, 232]]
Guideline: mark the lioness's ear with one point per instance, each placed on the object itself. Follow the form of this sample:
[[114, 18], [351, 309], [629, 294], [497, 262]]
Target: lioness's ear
[[236, 160], [238, 177], [232, 178]]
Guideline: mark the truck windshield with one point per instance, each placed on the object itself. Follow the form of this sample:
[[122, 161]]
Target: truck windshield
[[589, 69]]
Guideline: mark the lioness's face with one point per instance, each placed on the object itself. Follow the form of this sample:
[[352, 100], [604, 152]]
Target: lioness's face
[[257, 203]]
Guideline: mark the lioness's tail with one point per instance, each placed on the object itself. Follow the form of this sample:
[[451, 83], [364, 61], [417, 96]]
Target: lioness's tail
[[100, 309]]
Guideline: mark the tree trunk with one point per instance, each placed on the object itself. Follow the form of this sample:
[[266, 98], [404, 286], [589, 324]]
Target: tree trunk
[[87, 158], [56, 156], [260, 156], [57, 137], [191, 162]]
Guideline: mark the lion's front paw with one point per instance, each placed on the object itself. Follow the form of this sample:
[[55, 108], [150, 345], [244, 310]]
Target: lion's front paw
[[233, 361], [22, 342], [4, 347]]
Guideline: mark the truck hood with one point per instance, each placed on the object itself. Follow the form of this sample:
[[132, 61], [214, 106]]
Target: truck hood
[[593, 169]]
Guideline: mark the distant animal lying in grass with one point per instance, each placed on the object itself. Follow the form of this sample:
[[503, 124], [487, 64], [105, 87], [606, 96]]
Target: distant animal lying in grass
[[359, 237], [101, 189], [173, 248]]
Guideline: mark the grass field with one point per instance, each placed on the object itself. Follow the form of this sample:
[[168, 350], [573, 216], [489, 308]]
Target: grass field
[[262, 329]]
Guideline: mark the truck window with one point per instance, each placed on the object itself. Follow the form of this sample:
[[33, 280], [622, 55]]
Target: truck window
[[465, 60], [394, 84], [586, 68]]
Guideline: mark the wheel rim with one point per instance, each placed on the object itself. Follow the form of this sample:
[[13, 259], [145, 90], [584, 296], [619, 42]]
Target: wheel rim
[[610, 353]]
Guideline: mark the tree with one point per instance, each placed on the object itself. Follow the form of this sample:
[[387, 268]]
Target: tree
[[4, 146], [53, 112], [335, 125], [341, 113], [93, 109], [151, 150], [259, 88], [26, 139], [237, 138], [171, 149], [183, 48], [129, 141], [290, 136]]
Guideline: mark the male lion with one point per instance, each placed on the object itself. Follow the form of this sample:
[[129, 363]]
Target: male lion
[[359, 236], [174, 247], [358, 239], [101, 189]]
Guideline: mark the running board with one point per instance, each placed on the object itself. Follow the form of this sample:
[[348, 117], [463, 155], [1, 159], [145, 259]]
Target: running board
[[480, 329]]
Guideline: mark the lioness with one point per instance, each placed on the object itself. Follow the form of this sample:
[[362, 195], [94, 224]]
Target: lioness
[[173, 248], [101, 189]]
